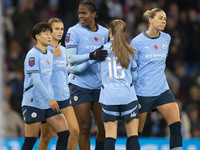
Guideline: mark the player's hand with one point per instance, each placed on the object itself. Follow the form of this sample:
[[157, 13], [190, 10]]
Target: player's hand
[[57, 51], [54, 105], [99, 54]]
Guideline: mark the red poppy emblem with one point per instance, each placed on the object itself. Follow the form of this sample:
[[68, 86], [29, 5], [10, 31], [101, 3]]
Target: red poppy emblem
[[47, 61], [155, 47], [96, 39]]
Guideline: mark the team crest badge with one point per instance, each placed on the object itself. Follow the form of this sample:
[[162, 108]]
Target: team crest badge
[[75, 98], [164, 46], [34, 114], [103, 40], [31, 61], [67, 37]]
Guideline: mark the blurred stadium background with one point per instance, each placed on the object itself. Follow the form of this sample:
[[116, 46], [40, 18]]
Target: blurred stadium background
[[17, 18]]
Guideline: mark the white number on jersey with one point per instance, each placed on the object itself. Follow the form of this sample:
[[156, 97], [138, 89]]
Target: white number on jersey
[[115, 68]]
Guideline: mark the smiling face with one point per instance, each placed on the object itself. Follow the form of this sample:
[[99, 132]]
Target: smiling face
[[85, 16], [158, 21], [58, 30]]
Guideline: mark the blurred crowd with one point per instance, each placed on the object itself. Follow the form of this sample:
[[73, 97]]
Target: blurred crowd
[[183, 62]]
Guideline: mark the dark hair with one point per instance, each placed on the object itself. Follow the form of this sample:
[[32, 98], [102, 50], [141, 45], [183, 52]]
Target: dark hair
[[90, 4], [40, 27], [120, 47]]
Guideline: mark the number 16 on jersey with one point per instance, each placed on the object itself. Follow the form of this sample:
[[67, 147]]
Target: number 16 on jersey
[[119, 73]]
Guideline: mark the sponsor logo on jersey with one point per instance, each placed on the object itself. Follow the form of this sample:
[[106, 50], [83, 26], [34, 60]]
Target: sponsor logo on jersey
[[34, 115], [75, 98], [67, 39], [96, 39], [31, 61], [155, 47]]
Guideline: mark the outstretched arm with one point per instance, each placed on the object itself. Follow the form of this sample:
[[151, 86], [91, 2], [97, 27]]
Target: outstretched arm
[[77, 69], [97, 54]]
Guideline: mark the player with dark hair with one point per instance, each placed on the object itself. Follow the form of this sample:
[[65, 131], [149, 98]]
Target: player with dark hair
[[118, 97], [59, 82], [83, 42], [151, 86], [38, 104]]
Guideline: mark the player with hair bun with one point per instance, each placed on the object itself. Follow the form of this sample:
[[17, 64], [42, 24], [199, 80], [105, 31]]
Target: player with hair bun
[[151, 86]]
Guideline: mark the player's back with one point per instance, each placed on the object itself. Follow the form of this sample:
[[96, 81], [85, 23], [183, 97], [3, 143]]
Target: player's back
[[117, 87]]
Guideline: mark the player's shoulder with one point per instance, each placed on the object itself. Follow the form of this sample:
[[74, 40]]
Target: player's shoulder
[[74, 28], [33, 51], [62, 48], [165, 35], [102, 28], [139, 37]]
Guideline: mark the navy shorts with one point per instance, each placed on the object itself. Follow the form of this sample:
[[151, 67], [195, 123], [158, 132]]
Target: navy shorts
[[64, 104], [150, 103], [80, 95], [120, 112], [32, 114]]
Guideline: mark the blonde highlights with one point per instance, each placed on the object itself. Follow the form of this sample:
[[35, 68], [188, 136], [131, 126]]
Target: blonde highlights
[[151, 13], [119, 45]]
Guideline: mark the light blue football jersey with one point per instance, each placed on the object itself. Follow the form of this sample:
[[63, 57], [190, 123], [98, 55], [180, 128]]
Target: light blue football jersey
[[86, 41], [151, 54], [117, 83], [59, 78], [37, 62]]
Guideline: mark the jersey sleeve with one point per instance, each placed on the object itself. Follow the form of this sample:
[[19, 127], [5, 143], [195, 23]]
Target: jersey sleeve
[[77, 69], [50, 48], [32, 63], [71, 43], [133, 44], [133, 69], [40, 86]]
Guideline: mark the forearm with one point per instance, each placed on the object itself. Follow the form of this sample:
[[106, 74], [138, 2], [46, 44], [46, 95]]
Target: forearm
[[77, 69], [73, 58], [40, 86]]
